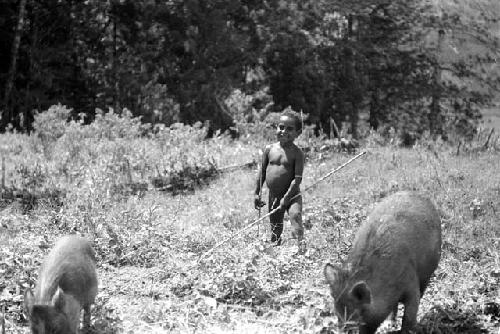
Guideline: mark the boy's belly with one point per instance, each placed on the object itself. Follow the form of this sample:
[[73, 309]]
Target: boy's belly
[[278, 179]]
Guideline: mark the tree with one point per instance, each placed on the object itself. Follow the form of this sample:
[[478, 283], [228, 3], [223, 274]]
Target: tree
[[7, 114], [177, 60]]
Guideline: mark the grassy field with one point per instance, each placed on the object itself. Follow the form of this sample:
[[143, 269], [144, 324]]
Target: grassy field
[[149, 242]]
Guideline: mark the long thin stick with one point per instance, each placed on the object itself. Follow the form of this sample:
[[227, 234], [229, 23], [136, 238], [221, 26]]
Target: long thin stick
[[3, 319], [334, 171], [485, 145], [260, 196], [3, 172], [244, 165], [276, 209]]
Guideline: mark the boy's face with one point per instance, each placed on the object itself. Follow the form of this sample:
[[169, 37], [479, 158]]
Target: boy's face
[[286, 130]]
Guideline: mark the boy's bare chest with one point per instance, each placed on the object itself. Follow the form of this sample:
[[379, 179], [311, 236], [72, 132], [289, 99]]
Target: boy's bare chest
[[281, 157]]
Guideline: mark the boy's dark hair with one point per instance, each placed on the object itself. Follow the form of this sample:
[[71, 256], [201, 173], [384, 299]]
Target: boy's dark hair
[[288, 112]]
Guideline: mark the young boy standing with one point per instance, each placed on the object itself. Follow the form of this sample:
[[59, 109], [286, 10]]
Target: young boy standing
[[281, 169]]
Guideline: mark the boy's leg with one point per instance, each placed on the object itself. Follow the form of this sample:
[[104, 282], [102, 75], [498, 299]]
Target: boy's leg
[[295, 213], [276, 220]]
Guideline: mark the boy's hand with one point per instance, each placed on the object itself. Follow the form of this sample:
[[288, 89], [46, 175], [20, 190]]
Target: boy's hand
[[258, 203], [284, 203]]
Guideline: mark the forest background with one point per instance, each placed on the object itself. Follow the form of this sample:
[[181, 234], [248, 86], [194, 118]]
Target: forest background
[[414, 65]]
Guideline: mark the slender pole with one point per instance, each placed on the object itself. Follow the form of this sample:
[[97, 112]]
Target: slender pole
[[3, 173], [260, 197], [3, 319], [333, 171], [238, 233]]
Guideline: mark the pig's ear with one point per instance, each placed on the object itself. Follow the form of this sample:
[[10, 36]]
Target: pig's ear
[[361, 293], [334, 275], [29, 300], [59, 300]]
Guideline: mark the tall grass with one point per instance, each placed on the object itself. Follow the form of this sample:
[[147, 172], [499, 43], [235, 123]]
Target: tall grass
[[149, 239]]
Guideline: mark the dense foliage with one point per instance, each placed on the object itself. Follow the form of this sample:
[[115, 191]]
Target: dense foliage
[[407, 64]]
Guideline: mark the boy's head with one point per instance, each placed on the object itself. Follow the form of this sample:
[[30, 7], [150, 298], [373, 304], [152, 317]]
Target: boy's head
[[289, 127], [294, 116]]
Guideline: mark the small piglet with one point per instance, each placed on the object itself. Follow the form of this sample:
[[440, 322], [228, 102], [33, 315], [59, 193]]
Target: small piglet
[[67, 282], [394, 255]]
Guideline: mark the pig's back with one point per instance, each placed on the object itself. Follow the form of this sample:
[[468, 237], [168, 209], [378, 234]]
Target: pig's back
[[402, 229], [70, 265]]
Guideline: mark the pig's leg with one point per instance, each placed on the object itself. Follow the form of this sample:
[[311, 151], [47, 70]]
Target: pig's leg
[[86, 317], [365, 329], [411, 301]]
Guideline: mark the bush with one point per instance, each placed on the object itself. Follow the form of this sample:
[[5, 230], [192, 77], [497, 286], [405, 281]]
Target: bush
[[250, 112], [116, 157], [51, 125], [412, 122], [463, 121], [112, 126]]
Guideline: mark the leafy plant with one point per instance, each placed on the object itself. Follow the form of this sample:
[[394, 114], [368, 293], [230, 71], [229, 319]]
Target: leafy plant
[[51, 125]]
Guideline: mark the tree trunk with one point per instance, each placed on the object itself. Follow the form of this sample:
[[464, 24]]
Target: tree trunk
[[7, 116], [375, 110], [31, 101], [435, 117], [116, 87], [354, 118]]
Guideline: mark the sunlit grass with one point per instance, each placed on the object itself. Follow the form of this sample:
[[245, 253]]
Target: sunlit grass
[[149, 244]]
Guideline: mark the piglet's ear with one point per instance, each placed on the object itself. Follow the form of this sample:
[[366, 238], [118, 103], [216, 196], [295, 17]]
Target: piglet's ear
[[361, 293], [29, 300], [333, 274], [59, 300]]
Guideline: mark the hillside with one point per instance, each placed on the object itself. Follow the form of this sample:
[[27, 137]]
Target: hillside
[[473, 36]]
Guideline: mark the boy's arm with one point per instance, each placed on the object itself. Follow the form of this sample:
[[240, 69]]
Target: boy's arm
[[261, 177], [294, 187]]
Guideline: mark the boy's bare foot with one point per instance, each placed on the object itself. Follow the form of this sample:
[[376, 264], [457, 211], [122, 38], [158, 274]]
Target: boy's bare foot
[[277, 240]]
